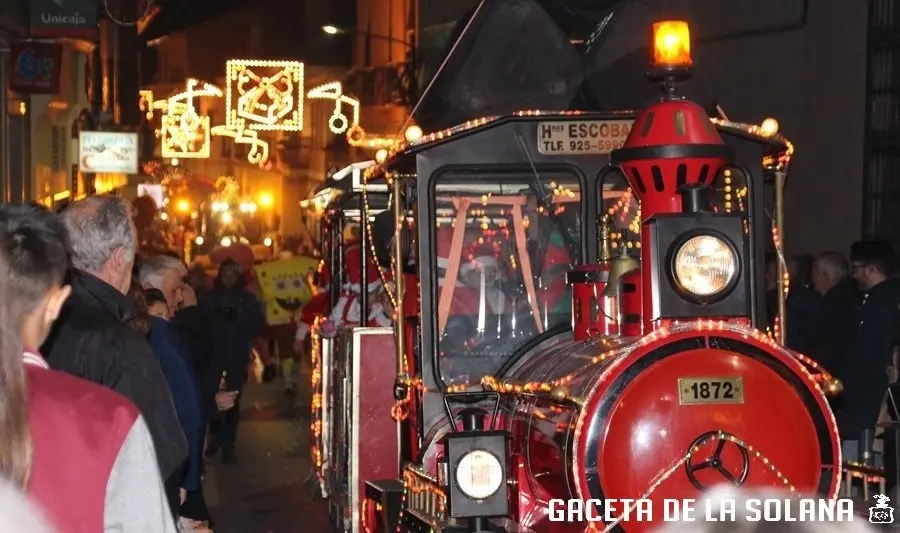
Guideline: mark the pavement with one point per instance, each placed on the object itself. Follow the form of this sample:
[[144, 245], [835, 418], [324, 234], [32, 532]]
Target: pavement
[[266, 492]]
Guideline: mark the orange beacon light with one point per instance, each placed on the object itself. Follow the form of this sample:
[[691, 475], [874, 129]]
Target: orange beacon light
[[671, 45]]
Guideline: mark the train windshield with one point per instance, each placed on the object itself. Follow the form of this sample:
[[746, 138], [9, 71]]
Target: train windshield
[[504, 242]]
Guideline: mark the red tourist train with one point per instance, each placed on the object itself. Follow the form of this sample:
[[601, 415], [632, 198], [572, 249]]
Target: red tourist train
[[579, 306]]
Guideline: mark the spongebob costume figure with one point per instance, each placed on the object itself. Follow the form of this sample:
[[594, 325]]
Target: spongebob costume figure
[[285, 285]]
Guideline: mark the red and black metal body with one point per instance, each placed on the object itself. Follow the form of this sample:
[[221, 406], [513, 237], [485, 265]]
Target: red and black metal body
[[538, 359]]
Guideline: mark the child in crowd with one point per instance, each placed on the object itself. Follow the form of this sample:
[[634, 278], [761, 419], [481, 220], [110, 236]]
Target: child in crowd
[[156, 304]]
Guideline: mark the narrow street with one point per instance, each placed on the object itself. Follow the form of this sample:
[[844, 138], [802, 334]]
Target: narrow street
[[265, 491]]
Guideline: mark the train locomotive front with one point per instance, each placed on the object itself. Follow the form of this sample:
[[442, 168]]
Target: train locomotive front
[[667, 388], [665, 416]]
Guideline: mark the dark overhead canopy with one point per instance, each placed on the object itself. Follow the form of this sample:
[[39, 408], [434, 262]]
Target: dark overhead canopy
[[617, 60], [513, 56], [525, 54]]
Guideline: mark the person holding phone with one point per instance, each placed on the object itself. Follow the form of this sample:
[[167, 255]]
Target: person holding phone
[[236, 318]]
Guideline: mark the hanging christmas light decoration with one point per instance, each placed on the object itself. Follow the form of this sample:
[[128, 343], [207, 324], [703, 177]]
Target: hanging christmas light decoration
[[259, 149], [184, 133], [339, 123], [264, 95]]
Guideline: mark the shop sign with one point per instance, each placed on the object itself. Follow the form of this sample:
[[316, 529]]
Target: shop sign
[[108, 151], [63, 18], [36, 68]]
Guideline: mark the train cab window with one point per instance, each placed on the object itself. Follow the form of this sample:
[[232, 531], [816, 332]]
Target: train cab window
[[618, 201], [503, 244]]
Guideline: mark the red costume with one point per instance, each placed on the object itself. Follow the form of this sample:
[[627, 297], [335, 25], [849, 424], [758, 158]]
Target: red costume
[[346, 310]]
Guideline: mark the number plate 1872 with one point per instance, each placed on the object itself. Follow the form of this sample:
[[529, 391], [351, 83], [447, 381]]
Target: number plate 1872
[[710, 390]]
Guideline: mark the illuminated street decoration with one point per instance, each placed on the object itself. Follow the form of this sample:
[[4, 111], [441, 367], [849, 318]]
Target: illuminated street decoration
[[338, 123], [260, 95], [184, 133], [146, 102], [259, 149], [264, 95]]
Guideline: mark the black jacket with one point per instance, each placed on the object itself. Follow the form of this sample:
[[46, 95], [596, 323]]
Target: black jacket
[[194, 329], [801, 307], [834, 326], [864, 372], [236, 318], [91, 340]]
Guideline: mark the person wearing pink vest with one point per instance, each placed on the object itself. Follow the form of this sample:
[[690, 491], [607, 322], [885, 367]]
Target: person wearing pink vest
[[81, 452]]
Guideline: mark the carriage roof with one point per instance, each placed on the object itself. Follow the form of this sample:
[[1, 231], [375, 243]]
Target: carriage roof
[[776, 146]]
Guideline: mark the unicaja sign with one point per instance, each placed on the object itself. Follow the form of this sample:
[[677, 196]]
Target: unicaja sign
[[62, 18]]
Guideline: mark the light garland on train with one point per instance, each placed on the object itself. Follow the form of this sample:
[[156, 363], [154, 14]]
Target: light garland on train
[[821, 375], [413, 483], [666, 473], [370, 232], [317, 402]]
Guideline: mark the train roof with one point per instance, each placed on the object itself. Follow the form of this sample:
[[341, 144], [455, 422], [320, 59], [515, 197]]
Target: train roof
[[345, 187], [777, 145]]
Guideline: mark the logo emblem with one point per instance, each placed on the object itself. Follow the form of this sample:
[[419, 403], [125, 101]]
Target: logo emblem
[[734, 468], [882, 513]]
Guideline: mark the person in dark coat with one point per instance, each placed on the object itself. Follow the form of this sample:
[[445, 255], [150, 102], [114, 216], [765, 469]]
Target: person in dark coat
[[801, 306], [865, 373], [835, 321], [179, 370], [236, 317], [91, 339]]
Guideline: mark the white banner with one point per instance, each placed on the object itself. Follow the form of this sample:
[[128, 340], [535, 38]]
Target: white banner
[[107, 151]]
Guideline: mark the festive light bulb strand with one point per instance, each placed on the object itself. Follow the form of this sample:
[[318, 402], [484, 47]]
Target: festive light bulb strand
[[666, 473]]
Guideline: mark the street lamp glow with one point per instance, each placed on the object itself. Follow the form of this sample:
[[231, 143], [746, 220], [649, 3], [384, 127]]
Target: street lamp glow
[[330, 30]]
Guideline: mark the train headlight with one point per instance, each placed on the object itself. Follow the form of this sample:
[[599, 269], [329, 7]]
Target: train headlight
[[479, 474], [476, 473], [705, 266]]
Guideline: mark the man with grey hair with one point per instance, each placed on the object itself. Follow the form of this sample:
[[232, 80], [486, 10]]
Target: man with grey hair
[[91, 338], [166, 274], [835, 322]]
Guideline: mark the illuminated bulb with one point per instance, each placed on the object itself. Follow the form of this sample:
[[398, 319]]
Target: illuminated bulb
[[413, 133], [769, 127], [267, 241], [227, 218], [266, 200], [226, 241], [381, 155], [184, 206], [164, 216], [330, 30], [199, 241]]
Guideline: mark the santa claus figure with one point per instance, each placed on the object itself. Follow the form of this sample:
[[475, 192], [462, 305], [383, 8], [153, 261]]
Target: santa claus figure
[[318, 305], [347, 309], [482, 275]]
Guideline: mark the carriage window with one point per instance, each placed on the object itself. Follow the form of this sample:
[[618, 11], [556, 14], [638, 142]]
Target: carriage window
[[504, 243], [729, 192], [728, 195], [624, 209]]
